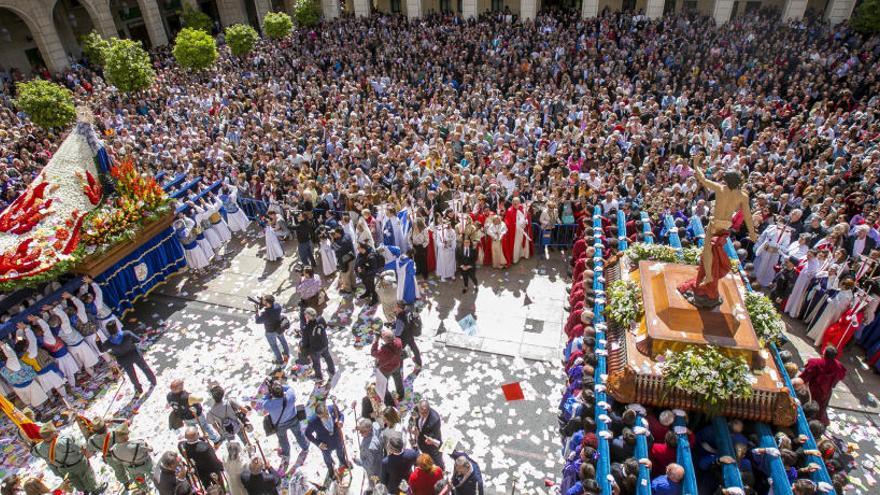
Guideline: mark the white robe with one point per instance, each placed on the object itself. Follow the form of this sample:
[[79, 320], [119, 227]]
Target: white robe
[[520, 243], [238, 221], [328, 257], [772, 239], [835, 307], [795, 301], [444, 242], [81, 352], [196, 257], [66, 363], [221, 228], [274, 251], [210, 233]]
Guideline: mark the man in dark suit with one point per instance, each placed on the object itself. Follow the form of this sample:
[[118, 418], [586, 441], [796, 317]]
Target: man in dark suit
[[860, 243], [397, 465], [315, 343], [428, 430], [344, 251], [257, 479], [467, 263], [324, 431]]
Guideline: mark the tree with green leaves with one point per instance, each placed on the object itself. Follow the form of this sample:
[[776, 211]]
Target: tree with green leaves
[[47, 104], [194, 49], [277, 25], [94, 47], [306, 12], [196, 19], [867, 17], [127, 66], [241, 39]]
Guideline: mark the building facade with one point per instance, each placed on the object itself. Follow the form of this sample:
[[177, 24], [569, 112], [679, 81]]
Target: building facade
[[46, 33]]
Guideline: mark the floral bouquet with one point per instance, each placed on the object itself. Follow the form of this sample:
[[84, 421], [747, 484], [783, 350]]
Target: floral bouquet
[[705, 372], [766, 320], [625, 305]]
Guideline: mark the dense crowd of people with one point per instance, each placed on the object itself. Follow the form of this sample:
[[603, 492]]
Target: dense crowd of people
[[440, 145]]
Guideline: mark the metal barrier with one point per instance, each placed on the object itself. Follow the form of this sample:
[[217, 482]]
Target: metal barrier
[[561, 235], [253, 208]]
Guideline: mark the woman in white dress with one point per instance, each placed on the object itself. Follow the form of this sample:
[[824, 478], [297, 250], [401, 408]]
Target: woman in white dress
[[218, 224], [235, 217], [202, 218], [496, 230], [22, 379], [274, 251], [835, 307], [192, 251], [328, 257]]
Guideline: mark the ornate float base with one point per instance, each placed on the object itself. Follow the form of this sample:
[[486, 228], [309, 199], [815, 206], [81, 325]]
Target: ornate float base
[[672, 323], [97, 264]]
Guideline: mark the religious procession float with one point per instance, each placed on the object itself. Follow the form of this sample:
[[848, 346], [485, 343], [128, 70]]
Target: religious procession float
[[685, 332]]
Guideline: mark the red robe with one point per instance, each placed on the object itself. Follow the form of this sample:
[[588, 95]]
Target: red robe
[[720, 268], [510, 238], [841, 331], [432, 257], [821, 375], [578, 250], [485, 241]]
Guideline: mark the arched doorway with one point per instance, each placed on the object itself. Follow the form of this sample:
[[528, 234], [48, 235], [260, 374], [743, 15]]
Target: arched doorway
[[72, 22], [18, 46]]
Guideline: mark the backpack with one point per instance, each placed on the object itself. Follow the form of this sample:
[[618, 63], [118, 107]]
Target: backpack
[[414, 322]]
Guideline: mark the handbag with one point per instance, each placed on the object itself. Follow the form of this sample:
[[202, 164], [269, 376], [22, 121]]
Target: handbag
[[271, 427]]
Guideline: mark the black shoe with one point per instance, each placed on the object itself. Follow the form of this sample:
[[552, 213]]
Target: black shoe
[[464, 290]]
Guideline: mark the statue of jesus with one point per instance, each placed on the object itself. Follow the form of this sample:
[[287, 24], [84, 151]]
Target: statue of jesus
[[702, 290]]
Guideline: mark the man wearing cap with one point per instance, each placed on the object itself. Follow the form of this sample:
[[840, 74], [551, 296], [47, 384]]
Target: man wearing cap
[[398, 464], [133, 456], [102, 441], [65, 458]]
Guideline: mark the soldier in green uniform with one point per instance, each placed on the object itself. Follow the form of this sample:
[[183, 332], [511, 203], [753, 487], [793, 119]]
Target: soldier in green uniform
[[67, 459], [101, 441], [134, 456]]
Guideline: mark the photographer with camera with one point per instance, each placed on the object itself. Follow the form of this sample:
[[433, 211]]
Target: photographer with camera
[[316, 344], [305, 228], [367, 265], [269, 314], [227, 416], [282, 417], [344, 249]]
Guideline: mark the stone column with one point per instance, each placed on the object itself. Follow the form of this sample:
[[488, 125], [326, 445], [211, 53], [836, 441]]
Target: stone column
[[721, 11], [231, 12], [262, 7], [794, 9], [654, 9], [153, 21], [839, 11], [102, 18], [362, 8], [589, 8], [469, 9], [413, 9], [41, 24], [330, 9], [528, 9]]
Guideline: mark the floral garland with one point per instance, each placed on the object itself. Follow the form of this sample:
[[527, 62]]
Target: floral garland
[[667, 254], [766, 320], [708, 374], [625, 305]]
